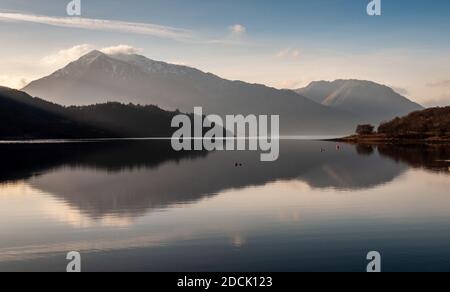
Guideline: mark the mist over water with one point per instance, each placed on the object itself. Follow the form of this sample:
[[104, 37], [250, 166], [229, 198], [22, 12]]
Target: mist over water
[[138, 205]]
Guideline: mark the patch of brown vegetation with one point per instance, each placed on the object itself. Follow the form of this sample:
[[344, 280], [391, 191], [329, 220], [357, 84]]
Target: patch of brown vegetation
[[430, 125]]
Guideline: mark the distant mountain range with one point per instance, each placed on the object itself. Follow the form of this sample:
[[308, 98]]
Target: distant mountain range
[[25, 117], [98, 78], [372, 102], [321, 108]]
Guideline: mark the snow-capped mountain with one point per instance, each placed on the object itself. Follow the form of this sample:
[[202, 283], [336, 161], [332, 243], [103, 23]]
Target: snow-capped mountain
[[97, 77]]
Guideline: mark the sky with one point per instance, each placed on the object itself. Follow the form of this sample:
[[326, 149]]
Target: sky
[[284, 43]]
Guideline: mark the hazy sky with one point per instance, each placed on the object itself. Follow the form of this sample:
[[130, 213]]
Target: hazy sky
[[284, 43]]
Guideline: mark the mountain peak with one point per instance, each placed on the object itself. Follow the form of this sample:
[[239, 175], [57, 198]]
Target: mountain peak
[[99, 78], [373, 102], [150, 66], [92, 56]]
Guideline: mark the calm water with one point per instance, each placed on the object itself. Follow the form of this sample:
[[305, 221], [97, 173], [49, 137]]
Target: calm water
[[137, 206]]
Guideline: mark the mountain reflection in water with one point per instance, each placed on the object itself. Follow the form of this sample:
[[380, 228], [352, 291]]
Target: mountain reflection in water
[[130, 178]]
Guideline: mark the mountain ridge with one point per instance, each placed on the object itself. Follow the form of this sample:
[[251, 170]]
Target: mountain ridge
[[372, 101], [26, 117], [98, 78]]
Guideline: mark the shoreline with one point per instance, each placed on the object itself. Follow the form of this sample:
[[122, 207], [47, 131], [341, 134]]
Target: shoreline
[[383, 139]]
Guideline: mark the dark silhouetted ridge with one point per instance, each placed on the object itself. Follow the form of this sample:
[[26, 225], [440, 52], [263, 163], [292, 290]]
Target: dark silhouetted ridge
[[25, 117]]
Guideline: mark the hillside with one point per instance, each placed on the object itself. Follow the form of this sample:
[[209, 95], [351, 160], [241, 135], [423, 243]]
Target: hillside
[[99, 78], [372, 102], [430, 125], [25, 117], [429, 122]]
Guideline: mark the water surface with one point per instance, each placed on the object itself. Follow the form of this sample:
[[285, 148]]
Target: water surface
[[139, 206]]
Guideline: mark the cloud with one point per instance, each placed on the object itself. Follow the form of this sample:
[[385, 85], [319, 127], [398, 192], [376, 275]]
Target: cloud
[[121, 49], [161, 31], [289, 53], [13, 81], [21, 70], [400, 90], [65, 56], [443, 100], [238, 29], [178, 62], [291, 84], [442, 83], [234, 37], [100, 24]]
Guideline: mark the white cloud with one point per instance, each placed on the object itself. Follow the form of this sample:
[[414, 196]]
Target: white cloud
[[440, 83], [161, 31], [13, 81], [178, 62], [121, 49], [21, 70], [65, 56], [100, 24], [238, 29], [400, 90], [234, 37], [289, 53]]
